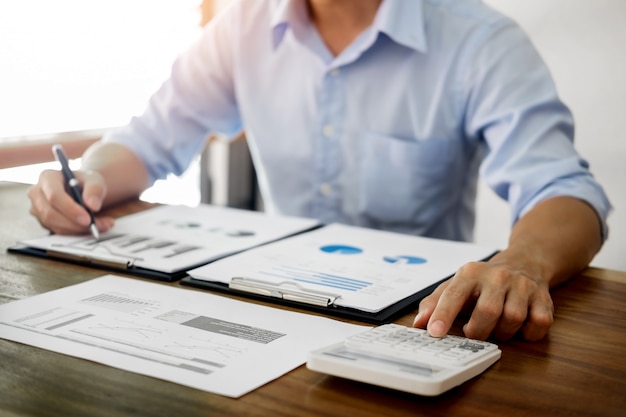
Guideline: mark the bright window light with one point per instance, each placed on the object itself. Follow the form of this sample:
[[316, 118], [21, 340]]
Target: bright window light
[[70, 65]]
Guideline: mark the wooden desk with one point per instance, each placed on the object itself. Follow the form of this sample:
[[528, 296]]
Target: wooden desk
[[579, 370]]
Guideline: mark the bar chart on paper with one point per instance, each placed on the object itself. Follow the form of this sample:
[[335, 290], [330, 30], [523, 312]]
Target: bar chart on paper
[[187, 337], [158, 339], [120, 302], [356, 267], [309, 276], [172, 239], [404, 259]]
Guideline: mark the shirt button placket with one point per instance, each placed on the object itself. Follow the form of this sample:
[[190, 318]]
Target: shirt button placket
[[329, 156]]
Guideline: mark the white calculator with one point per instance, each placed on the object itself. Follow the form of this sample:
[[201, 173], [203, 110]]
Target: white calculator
[[406, 359]]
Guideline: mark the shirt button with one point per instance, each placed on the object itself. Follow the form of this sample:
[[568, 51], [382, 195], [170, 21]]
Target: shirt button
[[335, 72], [328, 131], [326, 189]]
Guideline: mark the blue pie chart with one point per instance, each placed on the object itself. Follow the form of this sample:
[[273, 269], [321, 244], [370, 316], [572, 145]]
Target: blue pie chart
[[341, 249], [413, 260]]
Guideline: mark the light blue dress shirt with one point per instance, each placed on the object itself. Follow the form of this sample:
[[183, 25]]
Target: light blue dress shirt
[[390, 134]]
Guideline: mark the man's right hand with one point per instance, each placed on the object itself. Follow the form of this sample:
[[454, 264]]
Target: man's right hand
[[57, 211]]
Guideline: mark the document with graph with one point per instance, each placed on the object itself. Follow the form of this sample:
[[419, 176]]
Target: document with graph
[[165, 241], [346, 270], [192, 338]]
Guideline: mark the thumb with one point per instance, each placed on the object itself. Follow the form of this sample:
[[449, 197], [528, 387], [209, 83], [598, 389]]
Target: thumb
[[94, 189]]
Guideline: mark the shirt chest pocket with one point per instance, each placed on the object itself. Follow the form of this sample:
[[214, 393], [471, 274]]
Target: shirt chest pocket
[[404, 181]]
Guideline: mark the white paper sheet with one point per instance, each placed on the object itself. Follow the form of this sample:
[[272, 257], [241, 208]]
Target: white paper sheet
[[363, 268], [175, 238], [195, 339]]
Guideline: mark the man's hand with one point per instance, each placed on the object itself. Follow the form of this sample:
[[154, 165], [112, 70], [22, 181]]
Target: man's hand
[[57, 211], [110, 173], [511, 292], [504, 300]]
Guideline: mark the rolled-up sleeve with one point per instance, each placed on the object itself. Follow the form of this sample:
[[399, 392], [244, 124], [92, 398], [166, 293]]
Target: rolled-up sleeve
[[196, 100], [512, 106]]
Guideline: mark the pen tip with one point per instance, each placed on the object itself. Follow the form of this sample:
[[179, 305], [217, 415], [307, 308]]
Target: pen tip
[[94, 231]]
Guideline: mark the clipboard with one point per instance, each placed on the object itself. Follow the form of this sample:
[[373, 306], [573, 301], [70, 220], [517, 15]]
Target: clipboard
[[164, 242], [346, 271], [125, 266], [311, 301]]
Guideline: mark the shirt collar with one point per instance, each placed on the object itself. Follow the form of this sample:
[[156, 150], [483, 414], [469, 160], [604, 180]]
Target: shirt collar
[[287, 14], [401, 20]]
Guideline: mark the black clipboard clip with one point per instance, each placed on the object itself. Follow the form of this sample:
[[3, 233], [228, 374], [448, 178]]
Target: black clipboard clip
[[285, 290], [92, 259]]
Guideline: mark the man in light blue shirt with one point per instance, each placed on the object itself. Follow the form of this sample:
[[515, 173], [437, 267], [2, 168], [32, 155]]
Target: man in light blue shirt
[[380, 114]]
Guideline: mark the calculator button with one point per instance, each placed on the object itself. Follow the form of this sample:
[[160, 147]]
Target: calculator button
[[406, 358], [413, 344], [474, 347]]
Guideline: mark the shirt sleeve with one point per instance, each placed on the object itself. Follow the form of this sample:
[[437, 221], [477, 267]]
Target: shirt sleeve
[[196, 100], [512, 106]]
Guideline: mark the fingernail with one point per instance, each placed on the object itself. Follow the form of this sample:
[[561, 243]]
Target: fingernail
[[93, 202], [416, 319], [436, 328]]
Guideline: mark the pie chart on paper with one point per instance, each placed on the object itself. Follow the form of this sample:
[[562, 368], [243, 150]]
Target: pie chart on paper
[[404, 260], [341, 249]]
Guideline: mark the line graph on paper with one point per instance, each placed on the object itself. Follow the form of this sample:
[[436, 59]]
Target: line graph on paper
[[139, 327], [120, 329], [173, 341], [224, 350]]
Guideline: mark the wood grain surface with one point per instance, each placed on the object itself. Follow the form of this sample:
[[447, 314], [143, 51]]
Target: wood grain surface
[[578, 370]]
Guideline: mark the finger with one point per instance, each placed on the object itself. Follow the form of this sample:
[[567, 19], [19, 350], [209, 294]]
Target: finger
[[56, 209], [41, 208], [516, 306], [540, 317], [62, 205], [94, 189], [36, 209], [427, 306], [513, 317], [486, 314], [57, 222], [47, 214], [104, 224], [453, 297]]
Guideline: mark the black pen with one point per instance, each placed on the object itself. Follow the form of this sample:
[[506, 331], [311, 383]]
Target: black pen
[[74, 186]]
